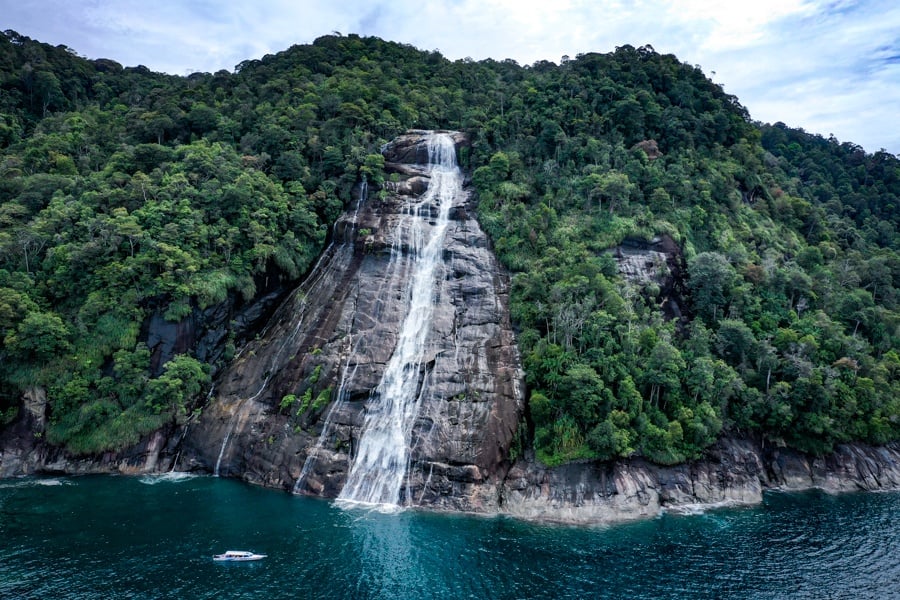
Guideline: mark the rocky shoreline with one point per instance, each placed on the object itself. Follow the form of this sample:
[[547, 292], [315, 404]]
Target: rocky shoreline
[[734, 472]]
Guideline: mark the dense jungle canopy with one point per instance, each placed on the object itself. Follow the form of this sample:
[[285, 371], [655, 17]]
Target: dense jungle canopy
[[127, 195]]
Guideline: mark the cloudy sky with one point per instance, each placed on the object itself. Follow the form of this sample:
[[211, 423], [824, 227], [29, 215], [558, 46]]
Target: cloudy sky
[[828, 66]]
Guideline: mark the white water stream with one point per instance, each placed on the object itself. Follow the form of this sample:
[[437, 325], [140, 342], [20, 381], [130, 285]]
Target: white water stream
[[381, 461]]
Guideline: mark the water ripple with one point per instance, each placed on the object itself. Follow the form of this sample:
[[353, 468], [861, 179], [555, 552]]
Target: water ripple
[[118, 537]]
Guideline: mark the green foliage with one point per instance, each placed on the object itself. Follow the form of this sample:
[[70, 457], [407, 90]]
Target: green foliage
[[561, 442], [777, 327], [126, 194], [373, 169], [322, 399], [287, 402], [39, 337], [314, 376], [711, 281], [182, 379], [305, 401], [115, 412]]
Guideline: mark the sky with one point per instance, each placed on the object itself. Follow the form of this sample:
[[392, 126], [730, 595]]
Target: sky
[[831, 67]]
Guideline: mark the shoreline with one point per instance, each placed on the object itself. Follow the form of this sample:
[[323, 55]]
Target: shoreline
[[683, 510], [734, 472]]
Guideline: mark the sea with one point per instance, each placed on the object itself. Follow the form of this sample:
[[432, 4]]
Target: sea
[[154, 537]]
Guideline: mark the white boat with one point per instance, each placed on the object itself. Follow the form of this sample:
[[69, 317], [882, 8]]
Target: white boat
[[238, 556]]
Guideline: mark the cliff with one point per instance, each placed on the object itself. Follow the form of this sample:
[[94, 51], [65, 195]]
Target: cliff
[[289, 410]]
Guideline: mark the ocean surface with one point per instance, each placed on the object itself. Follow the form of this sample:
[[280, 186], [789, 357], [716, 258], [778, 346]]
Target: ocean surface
[[154, 537]]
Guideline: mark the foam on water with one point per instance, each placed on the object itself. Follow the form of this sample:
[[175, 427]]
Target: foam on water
[[170, 477]]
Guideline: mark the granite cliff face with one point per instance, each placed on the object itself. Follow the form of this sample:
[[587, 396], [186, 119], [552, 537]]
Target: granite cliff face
[[294, 401], [735, 471]]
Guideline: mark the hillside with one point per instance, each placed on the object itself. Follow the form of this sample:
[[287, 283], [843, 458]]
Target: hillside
[[132, 200]]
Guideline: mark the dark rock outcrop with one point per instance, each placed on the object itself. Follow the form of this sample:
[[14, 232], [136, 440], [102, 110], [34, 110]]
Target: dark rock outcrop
[[206, 332], [734, 472], [650, 148], [657, 263]]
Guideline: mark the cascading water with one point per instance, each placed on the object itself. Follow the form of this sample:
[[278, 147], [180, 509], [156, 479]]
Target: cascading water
[[380, 465]]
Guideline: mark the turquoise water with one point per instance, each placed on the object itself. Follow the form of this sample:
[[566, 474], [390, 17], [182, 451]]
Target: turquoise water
[[121, 537]]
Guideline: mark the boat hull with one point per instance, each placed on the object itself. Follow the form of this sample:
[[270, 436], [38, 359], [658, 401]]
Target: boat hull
[[238, 556]]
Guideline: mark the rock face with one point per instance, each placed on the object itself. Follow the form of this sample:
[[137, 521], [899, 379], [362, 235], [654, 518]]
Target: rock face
[[735, 472], [328, 344], [650, 148], [207, 331], [658, 263]]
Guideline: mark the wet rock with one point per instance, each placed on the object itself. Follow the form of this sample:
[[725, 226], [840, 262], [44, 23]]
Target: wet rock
[[851, 467], [734, 472], [580, 493], [411, 147]]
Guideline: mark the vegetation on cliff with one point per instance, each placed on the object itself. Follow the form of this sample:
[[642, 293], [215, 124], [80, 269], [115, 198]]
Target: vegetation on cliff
[[127, 195]]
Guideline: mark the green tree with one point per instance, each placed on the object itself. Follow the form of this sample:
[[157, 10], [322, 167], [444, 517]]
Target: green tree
[[182, 379], [40, 336], [710, 281]]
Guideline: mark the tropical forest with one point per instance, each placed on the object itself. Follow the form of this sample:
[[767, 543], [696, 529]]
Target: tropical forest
[[129, 197]]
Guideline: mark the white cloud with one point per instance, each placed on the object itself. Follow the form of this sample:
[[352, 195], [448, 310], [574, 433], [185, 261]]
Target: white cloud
[[829, 66], [733, 25]]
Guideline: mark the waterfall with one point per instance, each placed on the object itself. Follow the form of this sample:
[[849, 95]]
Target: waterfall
[[363, 194], [382, 455]]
